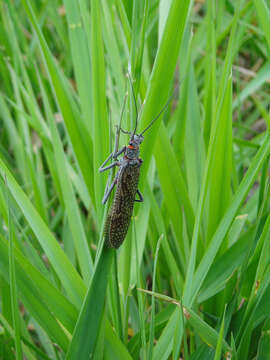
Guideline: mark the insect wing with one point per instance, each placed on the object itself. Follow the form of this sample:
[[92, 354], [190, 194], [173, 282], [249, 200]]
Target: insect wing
[[120, 213]]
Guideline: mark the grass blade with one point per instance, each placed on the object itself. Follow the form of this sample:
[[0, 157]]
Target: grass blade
[[13, 289], [87, 328], [101, 124], [162, 74], [68, 275]]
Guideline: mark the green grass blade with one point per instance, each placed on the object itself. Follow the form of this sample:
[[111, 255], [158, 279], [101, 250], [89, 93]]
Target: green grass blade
[[230, 214], [87, 328], [140, 300], [263, 14], [204, 178], [9, 329], [211, 149], [219, 182], [261, 77], [162, 75], [68, 275], [31, 281], [13, 289], [164, 345], [174, 187], [113, 348], [223, 268], [35, 304], [66, 102], [71, 206], [81, 59], [141, 223], [193, 140], [210, 71], [206, 332], [101, 124], [152, 321], [171, 262], [261, 268], [222, 230], [264, 347], [218, 352]]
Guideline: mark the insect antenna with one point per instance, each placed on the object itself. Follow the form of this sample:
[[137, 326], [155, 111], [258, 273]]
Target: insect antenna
[[160, 113], [118, 127], [125, 132], [135, 102], [122, 110]]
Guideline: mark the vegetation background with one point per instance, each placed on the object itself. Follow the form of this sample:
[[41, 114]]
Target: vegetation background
[[200, 242]]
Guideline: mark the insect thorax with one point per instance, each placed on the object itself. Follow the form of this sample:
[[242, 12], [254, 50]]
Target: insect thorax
[[132, 153]]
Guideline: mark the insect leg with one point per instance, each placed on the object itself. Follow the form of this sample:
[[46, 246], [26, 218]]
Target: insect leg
[[116, 163], [119, 152], [105, 162], [108, 191], [140, 196], [111, 156]]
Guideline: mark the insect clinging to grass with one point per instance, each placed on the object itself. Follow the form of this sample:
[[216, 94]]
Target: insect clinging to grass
[[126, 181]]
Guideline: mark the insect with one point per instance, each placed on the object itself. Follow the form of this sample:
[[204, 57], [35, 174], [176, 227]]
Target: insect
[[126, 181]]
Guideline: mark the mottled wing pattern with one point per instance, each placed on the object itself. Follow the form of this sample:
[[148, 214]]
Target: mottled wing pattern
[[119, 215]]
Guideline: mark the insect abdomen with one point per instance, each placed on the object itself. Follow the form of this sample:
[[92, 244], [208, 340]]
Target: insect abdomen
[[119, 216]]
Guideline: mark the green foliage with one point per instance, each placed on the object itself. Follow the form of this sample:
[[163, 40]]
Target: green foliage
[[191, 279]]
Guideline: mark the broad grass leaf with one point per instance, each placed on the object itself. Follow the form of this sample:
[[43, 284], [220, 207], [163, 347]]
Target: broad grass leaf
[[88, 324]]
